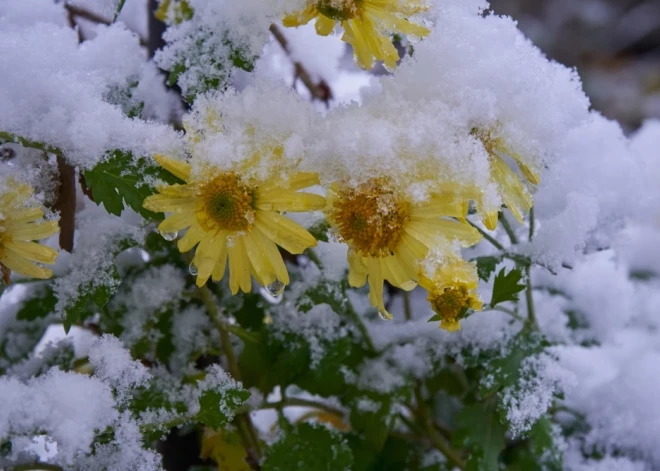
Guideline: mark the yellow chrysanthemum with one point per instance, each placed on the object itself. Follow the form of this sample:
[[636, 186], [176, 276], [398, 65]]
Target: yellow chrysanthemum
[[388, 235], [367, 25], [514, 194], [21, 222], [453, 292], [236, 219]]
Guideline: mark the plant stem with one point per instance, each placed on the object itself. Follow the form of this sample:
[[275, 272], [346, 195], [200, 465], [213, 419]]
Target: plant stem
[[437, 440], [246, 429], [487, 236], [531, 314], [531, 224], [507, 227], [513, 314], [407, 308], [357, 319]]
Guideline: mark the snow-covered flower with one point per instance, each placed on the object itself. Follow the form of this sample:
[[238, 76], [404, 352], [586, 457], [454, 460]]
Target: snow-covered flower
[[367, 25], [21, 223], [515, 196], [237, 218], [388, 234], [452, 289]]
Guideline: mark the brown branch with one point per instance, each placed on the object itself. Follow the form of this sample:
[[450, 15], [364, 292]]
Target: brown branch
[[77, 12], [320, 90], [66, 203]]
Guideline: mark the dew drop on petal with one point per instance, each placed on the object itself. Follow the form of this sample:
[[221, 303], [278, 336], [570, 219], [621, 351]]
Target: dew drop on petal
[[275, 288], [192, 269], [169, 235], [386, 316]]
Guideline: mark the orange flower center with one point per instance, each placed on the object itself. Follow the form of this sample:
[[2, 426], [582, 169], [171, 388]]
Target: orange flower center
[[339, 10], [371, 218], [450, 303], [226, 203]]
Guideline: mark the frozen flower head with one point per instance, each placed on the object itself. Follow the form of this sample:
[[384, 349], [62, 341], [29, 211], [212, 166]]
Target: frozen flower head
[[452, 289], [367, 25], [21, 222], [231, 217], [515, 196], [389, 234]]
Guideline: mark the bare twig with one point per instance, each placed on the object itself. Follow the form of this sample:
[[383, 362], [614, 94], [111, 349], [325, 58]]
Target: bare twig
[[66, 203], [77, 12], [321, 90]]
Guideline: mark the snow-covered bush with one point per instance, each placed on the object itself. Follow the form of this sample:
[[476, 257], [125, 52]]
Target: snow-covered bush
[[432, 256]]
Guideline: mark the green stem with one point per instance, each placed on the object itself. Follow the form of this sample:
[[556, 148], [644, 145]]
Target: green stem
[[507, 227], [531, 314], [407, 308], [487, 236], [246, 428], [357, 319], [437, 440], [13, 138], [531, 224], [508, 311]]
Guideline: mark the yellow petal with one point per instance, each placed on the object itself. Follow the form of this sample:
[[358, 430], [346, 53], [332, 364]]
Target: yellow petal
[[24, 215], [428, 230], [273, 254], [263, 270], [32, 231], [300, 18], [398, 274], [208, 252], [490, 220], [324, 25], [357, 269], [450, 325], [355, 37], [33, 251], [162, 203], [376, 286], [239, 266], [287, 200], [297, 181], [284, 232], [21, 265], [178, 168], [176, 222], [193, 235]]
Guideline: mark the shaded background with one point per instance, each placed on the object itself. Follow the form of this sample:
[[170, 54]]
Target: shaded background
[[614, 44]]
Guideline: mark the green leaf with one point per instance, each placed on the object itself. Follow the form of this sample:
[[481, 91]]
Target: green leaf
[[309, 448], [370, 415], [505, 370], [542, 441], [214, 405], [482, 434], [39, 306], [91, 297], [486, 266], [120, 179], [506, 287], [320, 230], [7, 137]]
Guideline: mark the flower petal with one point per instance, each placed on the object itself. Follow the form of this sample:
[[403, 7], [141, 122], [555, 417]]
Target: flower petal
[[32, 231], [284, 232], [33, 251], [178, 168], [21, 265], [239, 266]]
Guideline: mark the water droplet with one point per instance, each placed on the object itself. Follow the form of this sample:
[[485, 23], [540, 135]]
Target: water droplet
[[169, 235], [193, 269], [275, 288], [386, 316]]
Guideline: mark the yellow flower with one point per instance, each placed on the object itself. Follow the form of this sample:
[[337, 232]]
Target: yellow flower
[[20, 224], [367, 25], [236, 219], [388, 235], [515, 195], [453, 292]]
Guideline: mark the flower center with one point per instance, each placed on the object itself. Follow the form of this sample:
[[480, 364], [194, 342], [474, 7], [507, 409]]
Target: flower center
[[372, 218], [339, 10], [450, 303], [226, 203]]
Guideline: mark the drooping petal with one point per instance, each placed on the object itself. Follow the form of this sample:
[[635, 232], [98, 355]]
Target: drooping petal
[[284, 232], [376, 286], [263, 270], [357, 269], [324, 25], [206, 256], [176, 222], [239, 266], [163, 203], [273, 254], [191, 238]]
